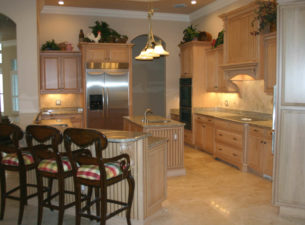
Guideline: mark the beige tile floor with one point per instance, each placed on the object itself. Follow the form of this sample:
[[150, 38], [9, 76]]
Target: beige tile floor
[[212, 193]]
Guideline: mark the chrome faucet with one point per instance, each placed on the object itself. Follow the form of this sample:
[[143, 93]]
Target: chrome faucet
[[38, 117], [148, 110]]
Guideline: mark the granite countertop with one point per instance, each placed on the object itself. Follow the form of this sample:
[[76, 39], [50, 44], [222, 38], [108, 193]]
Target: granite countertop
[[258, 119], [65, 110], [154, 121], [24, 119]]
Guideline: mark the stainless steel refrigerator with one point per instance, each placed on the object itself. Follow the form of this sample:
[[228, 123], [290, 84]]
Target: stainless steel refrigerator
[[106, 97]]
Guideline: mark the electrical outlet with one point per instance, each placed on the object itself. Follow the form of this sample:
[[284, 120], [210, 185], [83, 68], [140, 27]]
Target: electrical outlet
[[58, 102], [175, 136], [226, 103]]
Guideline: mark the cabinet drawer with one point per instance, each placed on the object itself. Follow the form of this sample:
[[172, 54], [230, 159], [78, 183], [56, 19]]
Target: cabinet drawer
[[229, 138], [204, 119], [227, 125], [256, 131], [229, 154]]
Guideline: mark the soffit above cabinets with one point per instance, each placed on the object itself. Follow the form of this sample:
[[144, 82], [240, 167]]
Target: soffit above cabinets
[[164, 6]]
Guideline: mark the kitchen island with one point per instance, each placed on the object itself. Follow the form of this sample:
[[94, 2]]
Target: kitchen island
[[148, 157], [162, 127]]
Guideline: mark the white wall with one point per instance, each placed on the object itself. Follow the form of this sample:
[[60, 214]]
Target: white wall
[[23, 13], [66, 28]]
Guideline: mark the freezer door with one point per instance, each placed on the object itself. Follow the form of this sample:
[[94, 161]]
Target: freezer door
[[116, 98], [95, 98]]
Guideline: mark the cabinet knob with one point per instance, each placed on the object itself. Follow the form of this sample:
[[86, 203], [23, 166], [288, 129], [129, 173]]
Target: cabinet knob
[[203, 126], [234, 154], [262, 142], [220, 149], [219, 134], [209, 120], [235, 139], [255, 130]]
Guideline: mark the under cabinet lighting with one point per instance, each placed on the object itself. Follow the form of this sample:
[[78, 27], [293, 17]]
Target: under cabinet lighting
[[193, 2], [61, 2]]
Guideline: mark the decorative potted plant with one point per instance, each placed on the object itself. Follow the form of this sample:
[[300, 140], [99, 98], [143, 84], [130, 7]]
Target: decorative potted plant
[[218, 41], [50, 45], [265, 17], [190, 33]]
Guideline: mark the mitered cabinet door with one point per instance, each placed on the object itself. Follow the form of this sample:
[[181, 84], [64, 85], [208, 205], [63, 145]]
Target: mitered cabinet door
[[119, 54], [50, 73], [186, 55], [71, 73], [60, 72], [255, 146]]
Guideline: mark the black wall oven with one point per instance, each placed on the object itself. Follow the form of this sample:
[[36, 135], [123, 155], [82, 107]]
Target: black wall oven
[[186, 102]]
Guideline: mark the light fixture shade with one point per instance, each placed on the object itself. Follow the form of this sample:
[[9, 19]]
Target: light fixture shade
[[144, 56], [151, 52], [160, 50]]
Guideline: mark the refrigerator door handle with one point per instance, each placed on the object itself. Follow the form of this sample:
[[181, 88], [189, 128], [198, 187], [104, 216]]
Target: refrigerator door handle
[[273, 118], [107, 101]]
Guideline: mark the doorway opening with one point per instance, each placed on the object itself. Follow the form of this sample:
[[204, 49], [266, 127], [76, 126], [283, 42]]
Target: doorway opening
[[148, 81]]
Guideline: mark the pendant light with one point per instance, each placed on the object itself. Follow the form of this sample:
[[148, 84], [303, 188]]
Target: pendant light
[[152, 48]]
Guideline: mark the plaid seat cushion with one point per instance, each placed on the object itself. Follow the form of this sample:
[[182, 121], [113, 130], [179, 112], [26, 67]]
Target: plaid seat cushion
[[12, 159], [50, 165], [92, 172]]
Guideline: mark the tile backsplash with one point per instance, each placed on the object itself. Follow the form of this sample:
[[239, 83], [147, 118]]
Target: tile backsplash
[[61, 100]]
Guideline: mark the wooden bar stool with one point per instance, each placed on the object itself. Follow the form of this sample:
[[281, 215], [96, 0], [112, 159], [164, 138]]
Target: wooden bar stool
[[50, 164], [13, 158], [97, 172]]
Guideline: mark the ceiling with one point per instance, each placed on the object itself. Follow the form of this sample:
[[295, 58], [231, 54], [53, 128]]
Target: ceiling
[[164, 6]]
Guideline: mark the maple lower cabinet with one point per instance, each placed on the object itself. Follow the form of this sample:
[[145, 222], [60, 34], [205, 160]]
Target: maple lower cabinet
[[268, 61], [230, 142], [60, 72], [204, 133], [75, 118], [259, 151]]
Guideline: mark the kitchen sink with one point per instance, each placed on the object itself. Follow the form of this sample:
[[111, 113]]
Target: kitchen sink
[[158, 121]]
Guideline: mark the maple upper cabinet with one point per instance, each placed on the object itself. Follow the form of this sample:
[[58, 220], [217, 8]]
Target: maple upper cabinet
[[289, 169], [268, 61], [60, 72], [106, 52], [192, 55], [239, 45]]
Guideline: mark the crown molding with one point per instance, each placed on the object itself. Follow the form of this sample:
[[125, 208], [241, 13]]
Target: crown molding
[[210, 8], [113, 13]]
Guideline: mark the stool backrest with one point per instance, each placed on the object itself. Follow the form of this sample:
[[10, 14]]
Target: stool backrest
[[10, 134], [47, 139], [81, 154]]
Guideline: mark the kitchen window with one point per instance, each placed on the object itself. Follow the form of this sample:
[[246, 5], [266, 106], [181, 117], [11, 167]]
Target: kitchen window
[[14, 83], [1, 91]]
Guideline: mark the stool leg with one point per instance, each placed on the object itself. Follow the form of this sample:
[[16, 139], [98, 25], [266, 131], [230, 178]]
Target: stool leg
[[61, 211], [23, 194], [89, 195], [40, 198], [77, 204], [103, 204], [50, 186], [3, 191], [131, 186], [98, 203]]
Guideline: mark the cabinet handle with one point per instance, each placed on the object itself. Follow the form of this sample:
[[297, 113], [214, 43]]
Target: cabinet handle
[[220, 149], [262, 142], [209, 120], [255, 130], [203, 126], [235, 139], [265, 142], [215, 87], [234, 154], [219, 134]]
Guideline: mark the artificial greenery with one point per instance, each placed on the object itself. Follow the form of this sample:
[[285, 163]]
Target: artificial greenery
[[50, 45], [190, 33], [107, 34], [218, 41], [265, 16]]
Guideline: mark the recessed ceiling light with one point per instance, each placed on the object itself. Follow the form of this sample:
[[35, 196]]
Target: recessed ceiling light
[[61, 3], [193, 2]]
